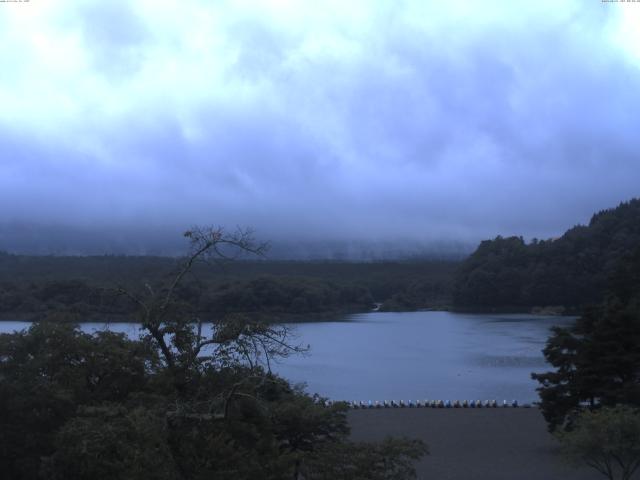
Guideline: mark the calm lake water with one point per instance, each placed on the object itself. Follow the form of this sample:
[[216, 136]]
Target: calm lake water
[[412, 355]]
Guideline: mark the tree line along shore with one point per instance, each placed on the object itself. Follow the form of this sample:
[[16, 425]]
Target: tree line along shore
[[86, 288], [557, 276]]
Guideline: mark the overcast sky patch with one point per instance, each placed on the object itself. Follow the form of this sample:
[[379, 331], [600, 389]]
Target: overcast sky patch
[[320, 120]]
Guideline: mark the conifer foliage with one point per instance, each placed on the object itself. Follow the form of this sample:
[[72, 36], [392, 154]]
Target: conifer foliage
[[597, 360]]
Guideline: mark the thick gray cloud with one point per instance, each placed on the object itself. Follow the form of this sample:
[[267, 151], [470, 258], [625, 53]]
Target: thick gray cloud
[[397, 122]]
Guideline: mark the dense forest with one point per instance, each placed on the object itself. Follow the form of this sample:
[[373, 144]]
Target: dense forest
[[569, 272], [86, 288]]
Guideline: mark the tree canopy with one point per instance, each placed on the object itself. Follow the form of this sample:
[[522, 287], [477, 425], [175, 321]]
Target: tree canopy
[[186, 400], [607, 440], [571, 271], [597, 360], [32, 287]]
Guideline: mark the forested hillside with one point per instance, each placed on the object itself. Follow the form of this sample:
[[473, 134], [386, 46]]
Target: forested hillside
[[571, 271]]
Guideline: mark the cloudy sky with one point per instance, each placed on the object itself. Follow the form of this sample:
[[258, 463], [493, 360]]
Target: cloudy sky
[[321, 119]]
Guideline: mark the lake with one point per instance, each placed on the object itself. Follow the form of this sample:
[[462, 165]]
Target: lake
[[412, 355]]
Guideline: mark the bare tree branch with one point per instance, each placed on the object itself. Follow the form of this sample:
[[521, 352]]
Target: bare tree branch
[[181, 339]]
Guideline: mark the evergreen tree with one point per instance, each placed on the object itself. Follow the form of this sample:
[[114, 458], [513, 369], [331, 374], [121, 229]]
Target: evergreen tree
[[597, 361]]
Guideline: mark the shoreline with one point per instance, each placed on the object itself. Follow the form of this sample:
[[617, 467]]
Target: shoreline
[[280, 317]]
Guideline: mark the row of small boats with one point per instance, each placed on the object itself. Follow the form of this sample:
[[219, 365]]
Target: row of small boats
[[437, 404]]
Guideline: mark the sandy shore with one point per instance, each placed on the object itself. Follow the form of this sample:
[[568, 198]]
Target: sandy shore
[[474, 444]]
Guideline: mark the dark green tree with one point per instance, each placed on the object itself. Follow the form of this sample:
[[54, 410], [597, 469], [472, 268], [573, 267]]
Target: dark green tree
[[570, 272], [597, 360], [47, 372], [607, 440]]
